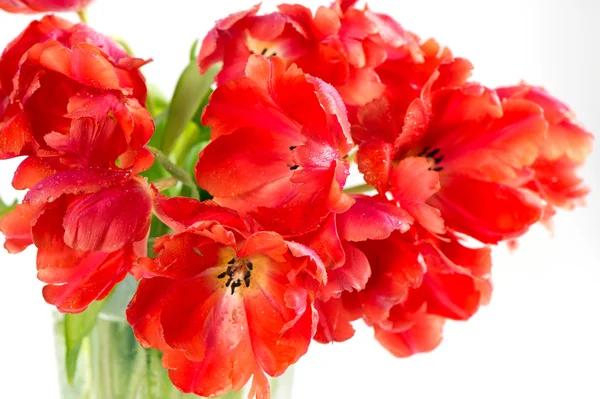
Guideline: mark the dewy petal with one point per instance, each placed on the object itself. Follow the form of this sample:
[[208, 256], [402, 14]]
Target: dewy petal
[[84, 64], [91, 278], [504, 147], [191, 306], [412, 184], [372, 218], [424, 335], [557, 182], [35, 32], [75, 181], [74, 279], [362, 86], [106, 221], [227, 362], [266, 243], [374, 159], [279, 343], [16, 227], [325, 241], [33, 170], [102, 129], [451, 295], [395, 269], [351, 276], [236, 173], [212, 49], [143, 312], [490, 213], [180, 213], [334, 321], [186, 254], [16, 137], [252, 106]]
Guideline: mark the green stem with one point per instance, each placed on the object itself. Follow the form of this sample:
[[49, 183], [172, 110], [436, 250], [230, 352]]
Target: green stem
[[175, 171], [103, 360], [363, 188], [138, 373], [83, 16]]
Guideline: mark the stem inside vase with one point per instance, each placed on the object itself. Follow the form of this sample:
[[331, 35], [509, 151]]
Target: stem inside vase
[[112, 365]]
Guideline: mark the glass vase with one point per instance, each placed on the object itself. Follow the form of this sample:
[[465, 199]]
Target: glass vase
[[112, 365]]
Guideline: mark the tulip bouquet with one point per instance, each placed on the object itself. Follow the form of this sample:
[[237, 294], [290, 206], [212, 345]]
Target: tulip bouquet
[[222, 219]]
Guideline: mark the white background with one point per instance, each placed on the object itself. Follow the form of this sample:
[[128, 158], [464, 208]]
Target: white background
[[539, 338]]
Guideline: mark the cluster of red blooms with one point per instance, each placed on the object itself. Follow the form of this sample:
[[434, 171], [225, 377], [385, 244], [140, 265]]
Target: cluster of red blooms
[[281, 255]]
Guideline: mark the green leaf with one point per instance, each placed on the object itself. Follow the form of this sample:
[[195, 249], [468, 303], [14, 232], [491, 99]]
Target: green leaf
[[187, 140], [194, 50], [76, 328], [4, 208], [190, 92], [156, 102]]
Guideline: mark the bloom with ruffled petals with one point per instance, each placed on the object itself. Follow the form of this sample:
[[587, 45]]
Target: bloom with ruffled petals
[[363, 251], [223, 302], [35, 6], [282, 158], [55, 72], [414, 280], [72, 105], [84, 226], [565, 149], [470, 148], [340, 44]]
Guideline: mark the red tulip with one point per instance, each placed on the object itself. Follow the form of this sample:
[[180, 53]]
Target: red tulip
[[565, 149], [224, 302], [55, 72], [86, 232], [339, 44], [281, 159], [403, 282], [470, 139], [35, 6], [71, 104]]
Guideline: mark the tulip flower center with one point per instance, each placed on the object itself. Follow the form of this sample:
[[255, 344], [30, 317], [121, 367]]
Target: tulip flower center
[[434, 157], [238, 273], [260, 47]]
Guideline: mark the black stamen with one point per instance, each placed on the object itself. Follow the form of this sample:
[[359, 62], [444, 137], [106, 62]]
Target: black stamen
[[249, 264], [292, 148], [439, 168], [235, 285], [294, 167], [438, 159], [273, 55], [264, 51], [228, 283], [247, 281], [232, 261], [423, 152], [433, 153], [222, 275]]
